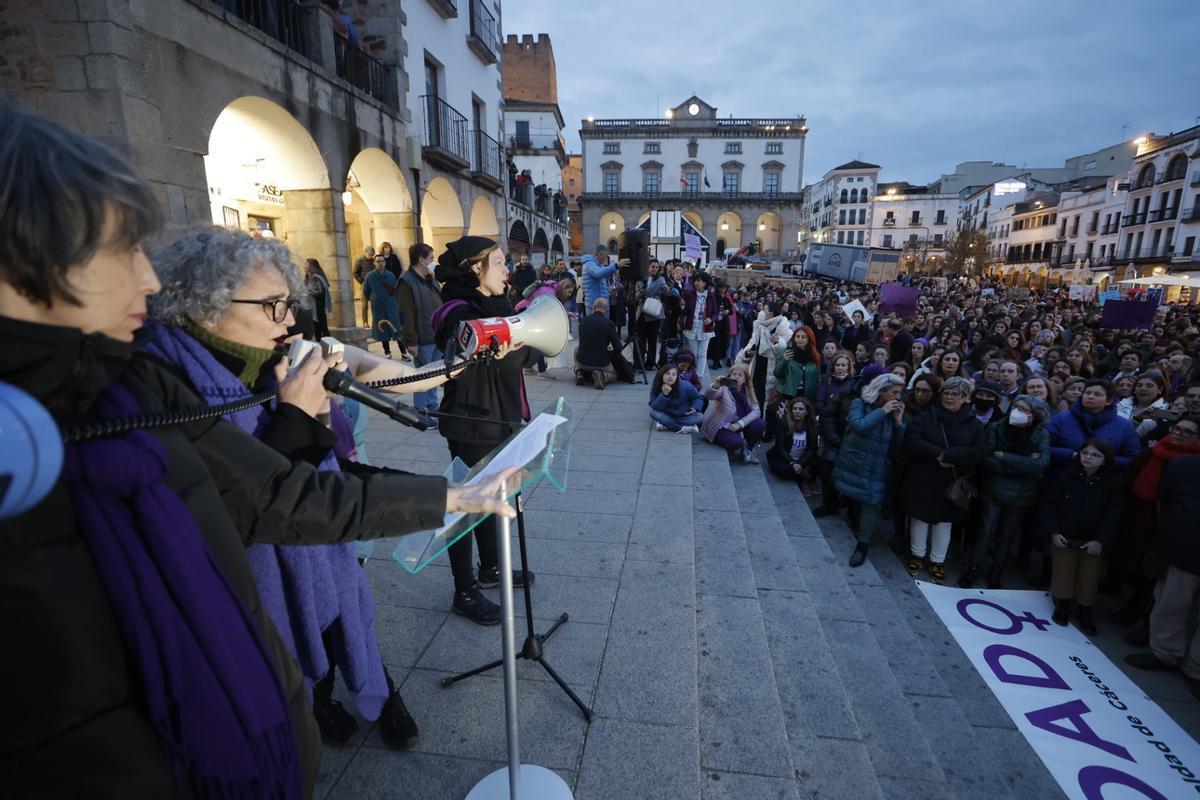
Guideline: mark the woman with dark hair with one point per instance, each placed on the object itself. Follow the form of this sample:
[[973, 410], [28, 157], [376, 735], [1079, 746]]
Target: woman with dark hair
[[1080, 510], [675, 405], [950, 365], [391, 260], [943, 445], [322, 299], [916, 353], [489, 394], [1019, 454], [1144, 407], [699, 318], [158, 672], [794, 452]]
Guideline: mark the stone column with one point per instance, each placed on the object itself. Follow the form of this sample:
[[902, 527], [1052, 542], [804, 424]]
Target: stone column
[[315, 228]]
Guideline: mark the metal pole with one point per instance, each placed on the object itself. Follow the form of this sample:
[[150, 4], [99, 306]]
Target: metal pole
[[510, 654]]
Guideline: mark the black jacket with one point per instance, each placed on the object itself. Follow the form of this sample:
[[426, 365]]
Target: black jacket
[[596, 333], [925, 480], [779, 457], [72, 721], [1178, 538], [492, 393], [836, 410], [1080, 508], [900, 348]]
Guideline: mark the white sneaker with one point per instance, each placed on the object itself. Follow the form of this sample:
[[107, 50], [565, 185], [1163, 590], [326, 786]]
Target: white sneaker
[[658, 426], [689, 429]]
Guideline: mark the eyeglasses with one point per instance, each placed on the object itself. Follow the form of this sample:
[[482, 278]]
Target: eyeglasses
[[276, 310], [951, 393]]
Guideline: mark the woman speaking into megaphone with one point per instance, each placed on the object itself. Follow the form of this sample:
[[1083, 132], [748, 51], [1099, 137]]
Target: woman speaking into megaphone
[[491, 393]]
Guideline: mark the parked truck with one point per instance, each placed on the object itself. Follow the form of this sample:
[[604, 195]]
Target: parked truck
[[849, 263]]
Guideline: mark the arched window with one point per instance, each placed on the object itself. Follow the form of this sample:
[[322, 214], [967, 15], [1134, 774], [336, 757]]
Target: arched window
[[854, 195], [1145, 177], [1177, 168], [845, 194]]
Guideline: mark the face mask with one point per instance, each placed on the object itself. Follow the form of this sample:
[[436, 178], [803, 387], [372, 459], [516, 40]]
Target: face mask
[[1018, 417]]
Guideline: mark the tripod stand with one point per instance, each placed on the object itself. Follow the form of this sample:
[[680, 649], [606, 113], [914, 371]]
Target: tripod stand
[[531, 650], [635, 334]]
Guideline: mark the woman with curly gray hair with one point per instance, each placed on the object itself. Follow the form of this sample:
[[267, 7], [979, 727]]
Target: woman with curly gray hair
[[221, 318]]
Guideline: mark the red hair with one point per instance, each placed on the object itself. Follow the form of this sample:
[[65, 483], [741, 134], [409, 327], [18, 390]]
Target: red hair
[[812, 343]]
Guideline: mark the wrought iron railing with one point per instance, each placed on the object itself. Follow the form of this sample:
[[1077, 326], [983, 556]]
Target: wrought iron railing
[[445, 129], [285, 21], [483, 26], [362, 71], [487, 156]]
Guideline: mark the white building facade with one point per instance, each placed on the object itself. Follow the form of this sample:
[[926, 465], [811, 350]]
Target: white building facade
[[914, 219], [736, 181], [838, 207], [1160, 229]]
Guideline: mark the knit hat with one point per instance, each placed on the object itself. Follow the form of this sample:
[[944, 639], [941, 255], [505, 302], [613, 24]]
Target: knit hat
[[454, 264], [923, 341], [871, 371]]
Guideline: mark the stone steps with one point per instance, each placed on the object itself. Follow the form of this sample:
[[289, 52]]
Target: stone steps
[[931, 725]]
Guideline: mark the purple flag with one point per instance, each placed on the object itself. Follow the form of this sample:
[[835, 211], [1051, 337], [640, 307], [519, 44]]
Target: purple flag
[[898, 298], [1124, 314]]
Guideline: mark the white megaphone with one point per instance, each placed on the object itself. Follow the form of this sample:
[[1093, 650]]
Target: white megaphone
[[542, 326]]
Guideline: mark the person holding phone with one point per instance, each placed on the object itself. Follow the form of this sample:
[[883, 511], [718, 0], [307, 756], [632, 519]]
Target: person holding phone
[[1081, 510], [734, 422]]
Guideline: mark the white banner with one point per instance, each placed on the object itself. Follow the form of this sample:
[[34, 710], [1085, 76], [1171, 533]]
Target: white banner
[[1099, 735]]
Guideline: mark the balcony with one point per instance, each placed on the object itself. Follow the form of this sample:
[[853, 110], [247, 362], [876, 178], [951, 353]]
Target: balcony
[[531, 142], [447, 8], [1092, 230], [482, 38], [445, 134], [889, 222], [1171, 177], [1190, 214], [1134, 219], [1086, 262], [1160, 253], [940, 221], [915, 222], [285, 21], [360, 70], [487, 160], [693, 198], [1110, 229], [1163, 214]]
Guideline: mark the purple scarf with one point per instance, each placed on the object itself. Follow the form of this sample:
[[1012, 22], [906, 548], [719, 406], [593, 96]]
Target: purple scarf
[[210, 688], [304, 588]]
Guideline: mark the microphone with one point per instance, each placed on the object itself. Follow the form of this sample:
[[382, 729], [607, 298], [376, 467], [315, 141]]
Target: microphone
[[343, 383]]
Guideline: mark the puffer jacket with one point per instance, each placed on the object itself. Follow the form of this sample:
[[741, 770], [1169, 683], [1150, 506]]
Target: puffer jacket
[[1012, 479], [832, 418], [956, 437], [863, 462], [683, 400], [1068, 430]]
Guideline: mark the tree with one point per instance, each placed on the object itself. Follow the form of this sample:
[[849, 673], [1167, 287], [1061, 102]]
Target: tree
[[917, 254], [966, 252]]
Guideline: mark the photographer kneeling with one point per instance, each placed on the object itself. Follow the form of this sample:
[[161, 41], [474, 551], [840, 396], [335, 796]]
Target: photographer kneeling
[[598, 356], [150, 667]]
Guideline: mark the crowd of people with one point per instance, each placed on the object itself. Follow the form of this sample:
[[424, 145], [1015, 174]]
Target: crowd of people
[[1007, 425]]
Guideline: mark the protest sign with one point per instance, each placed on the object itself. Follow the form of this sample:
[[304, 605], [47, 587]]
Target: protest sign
[[898, 298], [1127, 314], [1089, 724]]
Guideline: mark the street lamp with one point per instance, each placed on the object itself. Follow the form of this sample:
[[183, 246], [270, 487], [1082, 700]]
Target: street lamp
[[612, 226]]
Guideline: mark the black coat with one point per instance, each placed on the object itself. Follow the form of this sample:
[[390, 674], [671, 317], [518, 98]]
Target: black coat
[[925, 480], [1178, 537], [73, 721], [491, 393], [596, 333], [779, 457], [1080, 508]]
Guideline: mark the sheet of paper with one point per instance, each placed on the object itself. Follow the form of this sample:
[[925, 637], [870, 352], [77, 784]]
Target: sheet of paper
[[523, 447]]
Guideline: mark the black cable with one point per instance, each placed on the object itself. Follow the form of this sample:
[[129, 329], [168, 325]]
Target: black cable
[[164, 419]]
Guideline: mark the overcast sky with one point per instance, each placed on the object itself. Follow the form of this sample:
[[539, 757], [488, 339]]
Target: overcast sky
[[915, 86]]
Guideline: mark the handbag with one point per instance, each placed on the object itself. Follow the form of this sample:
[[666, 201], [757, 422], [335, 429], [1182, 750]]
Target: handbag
[[961, 491], [653, 308]]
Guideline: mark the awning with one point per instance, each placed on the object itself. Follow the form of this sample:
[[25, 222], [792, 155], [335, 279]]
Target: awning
[[1164, 280]]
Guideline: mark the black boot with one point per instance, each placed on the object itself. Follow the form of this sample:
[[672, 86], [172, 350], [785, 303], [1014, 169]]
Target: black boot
[[471, 603], [336, 724], [396, 726], [1083, 618], [1062, 611], [968, 577], [859, 555]]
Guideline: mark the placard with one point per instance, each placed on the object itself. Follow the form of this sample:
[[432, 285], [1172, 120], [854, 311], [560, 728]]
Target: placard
[[899, 298], [1081, 292], [856, 305], [691, 245], [1128, 314], [1098, 734]]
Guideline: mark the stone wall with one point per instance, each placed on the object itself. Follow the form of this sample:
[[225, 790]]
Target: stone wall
[[529, 70]]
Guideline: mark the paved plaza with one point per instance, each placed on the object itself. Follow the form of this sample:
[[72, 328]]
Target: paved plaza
[[727, 649]]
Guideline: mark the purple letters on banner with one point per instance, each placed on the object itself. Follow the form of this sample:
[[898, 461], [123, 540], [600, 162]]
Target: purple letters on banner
[[899, 298], [1017, 622], [1049, 679], [1045, 718], [1093, 780], [1127, 314]]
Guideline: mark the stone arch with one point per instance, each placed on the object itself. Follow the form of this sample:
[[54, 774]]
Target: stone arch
[[518, 237], [540, 248], [766, 230], [483, 219], [611, 224], [556, 246], [1145, 177], [266, 174], [695, 220], [729, 228], [380, 207], [441, 215], [645, 215], [1176, 167]]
